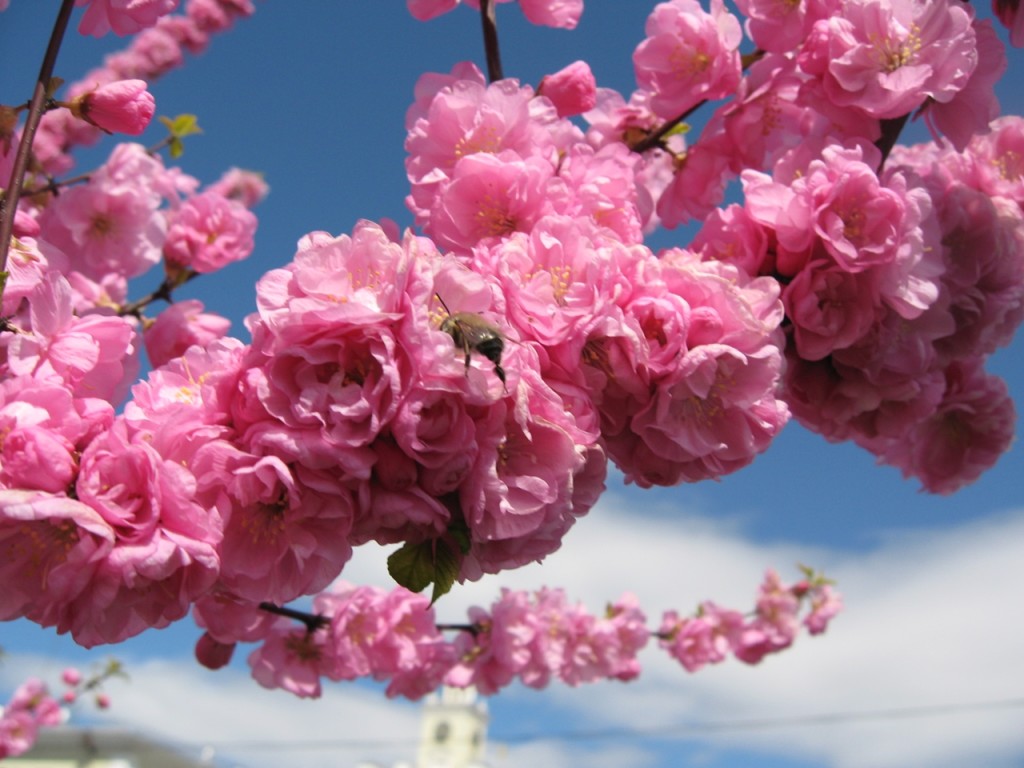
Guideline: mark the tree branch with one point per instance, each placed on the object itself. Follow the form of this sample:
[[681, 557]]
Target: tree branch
[[489, 22], [9, 202]]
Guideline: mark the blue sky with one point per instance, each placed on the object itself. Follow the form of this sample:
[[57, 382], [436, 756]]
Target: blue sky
[[313, 94]]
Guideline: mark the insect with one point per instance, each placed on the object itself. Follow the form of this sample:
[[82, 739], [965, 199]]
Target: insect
[[470, 332]]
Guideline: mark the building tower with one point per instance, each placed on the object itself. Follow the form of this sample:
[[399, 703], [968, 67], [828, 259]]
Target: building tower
[[453, 733]]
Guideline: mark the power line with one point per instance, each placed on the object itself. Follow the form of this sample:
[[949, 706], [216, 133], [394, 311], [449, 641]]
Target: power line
[[676, 731]]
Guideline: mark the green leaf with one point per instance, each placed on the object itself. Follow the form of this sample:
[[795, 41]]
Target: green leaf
[[416, 566], [412, 565], [446, 570]]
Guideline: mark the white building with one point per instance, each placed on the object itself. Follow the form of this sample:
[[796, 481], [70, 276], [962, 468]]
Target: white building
[[70, 747]]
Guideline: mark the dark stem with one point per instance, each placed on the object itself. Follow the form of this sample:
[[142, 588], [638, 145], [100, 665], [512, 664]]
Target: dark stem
[[163, 292], [489, 21], [313, 621], [654, 139], [9, 203], [891, 129]]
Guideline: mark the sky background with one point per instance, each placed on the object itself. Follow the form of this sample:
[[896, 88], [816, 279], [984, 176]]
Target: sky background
[[924, 668]]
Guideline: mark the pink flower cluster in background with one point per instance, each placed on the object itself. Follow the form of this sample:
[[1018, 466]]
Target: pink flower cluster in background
[[535, 638], [32, 707]]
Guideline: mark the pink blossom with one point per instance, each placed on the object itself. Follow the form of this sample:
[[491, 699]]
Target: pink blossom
[[830, 308], [425, 10], [124, 106], [247, 187], [688, 55], [968, 432], [519, 499], [996, 160], [501, 647], [111, 223], [705, 639], [180, 326], [290, 658], [284, 536], [164, 556], [1009, 13], [467, 118], [123, 17], [209, 232], [212, 653], [777, 26], [489, 197], [887, 58], [17, 733], [572, 89], [698, 183], [94, 356], [825, 604], [971, 110], [389, 635], [983, 281], [562, 14], [52, 546], [603, 184]]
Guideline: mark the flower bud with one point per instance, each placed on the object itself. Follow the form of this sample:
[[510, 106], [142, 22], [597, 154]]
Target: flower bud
[[121, 107], [572, 90]]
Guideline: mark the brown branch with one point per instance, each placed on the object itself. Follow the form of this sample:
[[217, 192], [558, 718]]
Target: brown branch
[[162, 293], [313, 621], [891, 129], [9, 203], [654, 138], [489, 23]]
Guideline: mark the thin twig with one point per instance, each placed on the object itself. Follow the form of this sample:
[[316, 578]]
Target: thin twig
[[313, 621], [9, 203], [489, 21]]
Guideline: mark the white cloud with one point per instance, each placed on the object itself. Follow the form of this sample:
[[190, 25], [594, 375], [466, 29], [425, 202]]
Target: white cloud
[[933, 618]]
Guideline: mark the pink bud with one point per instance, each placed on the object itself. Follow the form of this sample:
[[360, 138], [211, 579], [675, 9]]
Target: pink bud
[[572, 90], [102, 701], [213, 654], [121, 107], [69, 697], [71, 676]]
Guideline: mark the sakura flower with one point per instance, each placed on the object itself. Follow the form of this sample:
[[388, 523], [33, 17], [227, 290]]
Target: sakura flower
[[111, 223], [52, 547], [123, 17], [180, 326], [247, 187], [971, 110], [887, 58], [284, 537], [290, 658], [689, 55], [389, 635], [94, 356], [124, 106], [1009, 13], [164, 556], [704, 639], [209, 232], [572, 89], [971, 428]]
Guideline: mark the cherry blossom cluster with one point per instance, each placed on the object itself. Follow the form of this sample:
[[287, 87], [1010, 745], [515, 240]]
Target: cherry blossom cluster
[[534, 638], [459, 392], [892, 296], [32, 707]]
